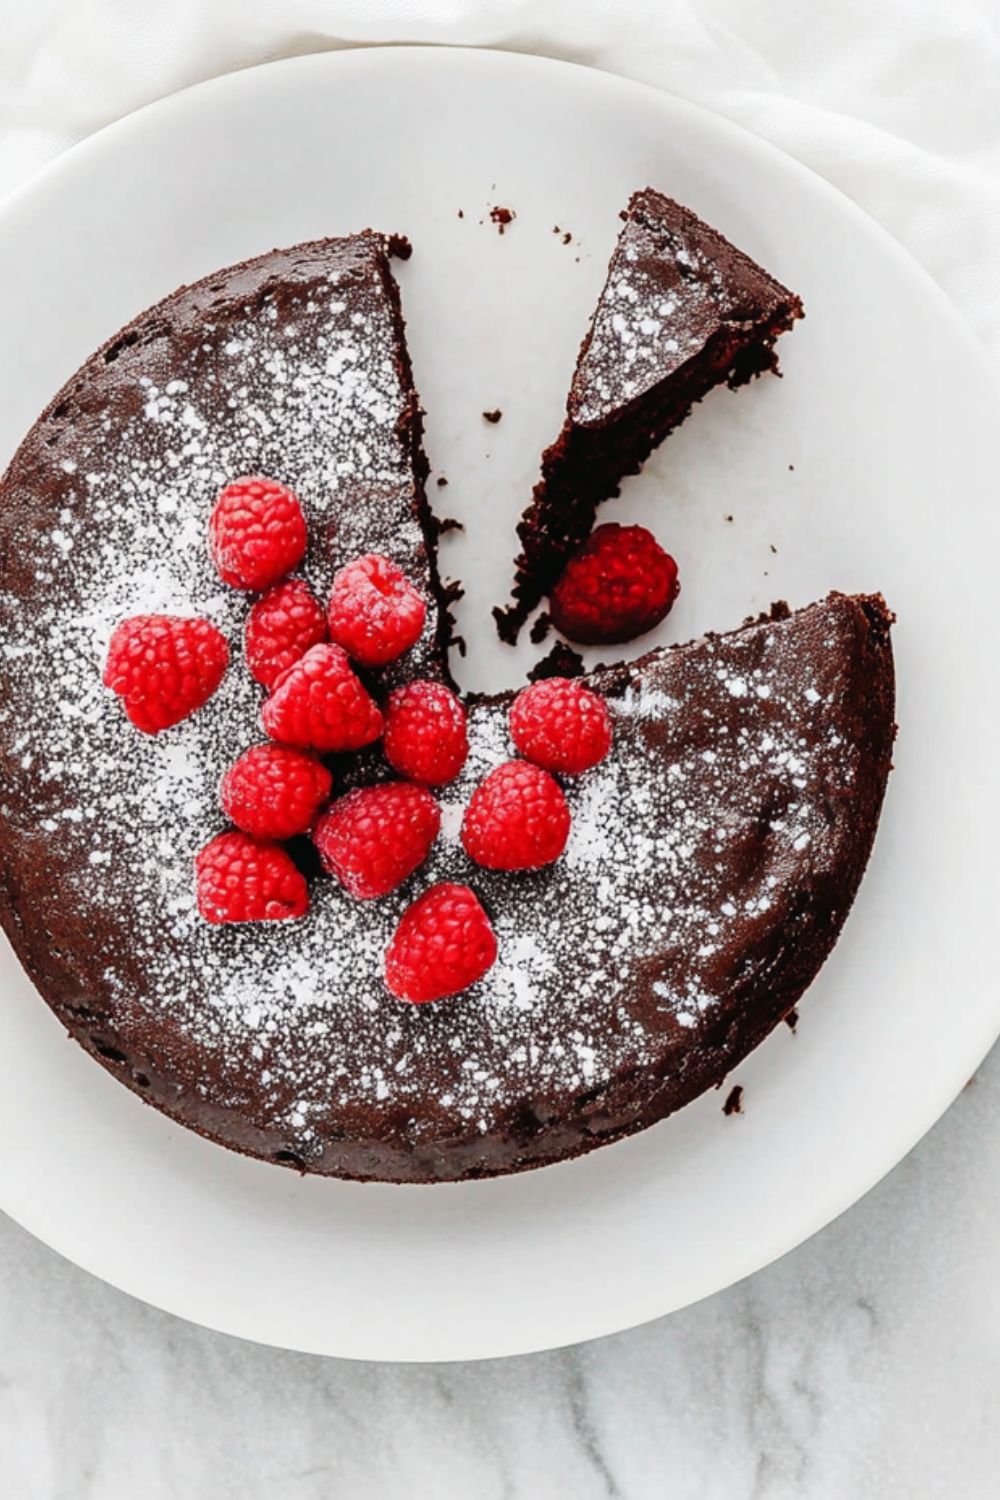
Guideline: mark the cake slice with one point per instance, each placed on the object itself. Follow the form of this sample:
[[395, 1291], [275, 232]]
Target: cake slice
[[682, 310]]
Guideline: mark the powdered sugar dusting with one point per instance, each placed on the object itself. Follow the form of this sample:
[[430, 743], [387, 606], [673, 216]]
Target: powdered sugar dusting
[[664, 296], [622, 941], [305, 1003]]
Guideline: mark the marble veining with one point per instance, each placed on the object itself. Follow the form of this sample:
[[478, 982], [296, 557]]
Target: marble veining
[[864, 1366]]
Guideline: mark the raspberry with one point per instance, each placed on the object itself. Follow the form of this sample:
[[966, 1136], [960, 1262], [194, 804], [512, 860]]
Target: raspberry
[[375, 613], [619, 585], [281, 628], [444, 943], [373, 838], [517, 819], [257, 533], [274, 793], [319, 704], [425, 738], [163, 667], [561, 725], [241, 879]]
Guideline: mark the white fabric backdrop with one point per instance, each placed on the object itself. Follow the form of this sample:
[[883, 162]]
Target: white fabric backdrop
[[895, 101]]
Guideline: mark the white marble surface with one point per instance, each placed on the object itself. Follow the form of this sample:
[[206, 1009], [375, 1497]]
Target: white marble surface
[[865, 1364]]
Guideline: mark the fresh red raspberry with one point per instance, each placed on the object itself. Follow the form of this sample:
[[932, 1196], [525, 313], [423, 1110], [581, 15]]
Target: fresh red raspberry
[[257, 533], [619, 585], [425, 736], [444, 943], [319, 704], [561, 725], [375, 613], [281, 627], [373, 838], [517, 819], [274, 793], [241, 879], [163, 667]]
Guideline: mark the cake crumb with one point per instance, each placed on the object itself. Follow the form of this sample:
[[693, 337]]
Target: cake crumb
[[399, 246], [734, 1101], [772, 547], [567, 238], [562, 661], [791, 468], [792, 1019], [540, 628], [493, 416], [727, 518], [501, 217], [461, 213], [442, 481]]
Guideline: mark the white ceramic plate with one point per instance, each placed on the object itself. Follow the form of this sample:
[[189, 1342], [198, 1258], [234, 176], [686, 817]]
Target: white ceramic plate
[[888, 414]]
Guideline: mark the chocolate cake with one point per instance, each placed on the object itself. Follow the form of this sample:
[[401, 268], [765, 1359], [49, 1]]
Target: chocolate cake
[[682, 310], [713, 857]]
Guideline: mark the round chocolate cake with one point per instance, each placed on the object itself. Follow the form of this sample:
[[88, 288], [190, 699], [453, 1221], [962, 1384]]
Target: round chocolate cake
[[713, 856]]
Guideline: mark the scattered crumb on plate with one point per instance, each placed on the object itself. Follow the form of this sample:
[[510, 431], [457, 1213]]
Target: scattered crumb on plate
[[562, 661], [540, 628]]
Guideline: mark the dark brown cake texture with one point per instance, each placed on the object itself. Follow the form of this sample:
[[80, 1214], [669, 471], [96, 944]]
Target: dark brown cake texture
[[712, 861], [682, 311]]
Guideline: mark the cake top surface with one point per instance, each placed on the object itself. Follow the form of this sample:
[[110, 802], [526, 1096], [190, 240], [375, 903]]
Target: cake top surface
[[673, 283], [623, 947], [687, 843]]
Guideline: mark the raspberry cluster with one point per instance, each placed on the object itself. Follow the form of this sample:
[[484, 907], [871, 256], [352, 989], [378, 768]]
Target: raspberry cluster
[[375, 837]]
